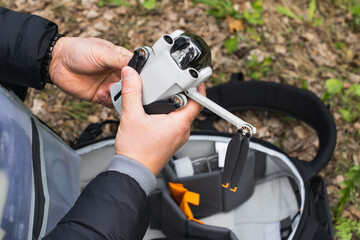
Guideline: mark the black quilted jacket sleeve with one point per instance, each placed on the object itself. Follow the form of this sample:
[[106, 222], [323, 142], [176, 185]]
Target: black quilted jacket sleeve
[[24, 39], [112, 206]]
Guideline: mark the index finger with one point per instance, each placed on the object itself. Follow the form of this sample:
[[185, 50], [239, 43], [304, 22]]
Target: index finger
[[112, 56]]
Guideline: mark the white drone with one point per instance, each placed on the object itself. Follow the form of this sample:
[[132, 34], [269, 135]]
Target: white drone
[[170, 72]]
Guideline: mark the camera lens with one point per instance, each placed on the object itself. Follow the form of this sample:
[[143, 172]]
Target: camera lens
[[193, 73], [168, 39]]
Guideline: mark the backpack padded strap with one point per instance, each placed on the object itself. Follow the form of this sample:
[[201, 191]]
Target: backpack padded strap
[[292, 101]]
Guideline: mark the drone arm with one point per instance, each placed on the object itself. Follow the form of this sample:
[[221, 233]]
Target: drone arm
[[217, 109]]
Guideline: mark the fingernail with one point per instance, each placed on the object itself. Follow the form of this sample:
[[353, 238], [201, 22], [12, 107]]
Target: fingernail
[[126, 74]]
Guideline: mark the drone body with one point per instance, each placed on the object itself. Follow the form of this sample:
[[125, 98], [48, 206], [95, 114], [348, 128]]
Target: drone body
[[176, 62]]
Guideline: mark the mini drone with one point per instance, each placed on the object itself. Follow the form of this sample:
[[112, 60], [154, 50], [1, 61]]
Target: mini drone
[[170, 71]]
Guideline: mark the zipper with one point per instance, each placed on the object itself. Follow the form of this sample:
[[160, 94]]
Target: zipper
[[39, 190]]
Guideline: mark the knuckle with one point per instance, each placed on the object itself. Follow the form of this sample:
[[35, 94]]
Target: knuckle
[[122, 54]]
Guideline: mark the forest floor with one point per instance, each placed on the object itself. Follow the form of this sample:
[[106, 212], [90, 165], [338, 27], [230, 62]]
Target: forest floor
[[314, 47]]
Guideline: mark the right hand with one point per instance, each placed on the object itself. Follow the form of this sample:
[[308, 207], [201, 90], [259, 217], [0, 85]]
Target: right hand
[[85, 68], [151, 139]]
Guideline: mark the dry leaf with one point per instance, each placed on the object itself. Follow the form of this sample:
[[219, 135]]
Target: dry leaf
[[300, 132], [280, 49], [93, 119], [309, 36], [339, 179], [234, 25], [37, 107], [92, 14], [354, 210], [354, 78]]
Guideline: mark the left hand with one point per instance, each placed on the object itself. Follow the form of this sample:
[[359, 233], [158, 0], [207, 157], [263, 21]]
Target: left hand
[[86, 68]]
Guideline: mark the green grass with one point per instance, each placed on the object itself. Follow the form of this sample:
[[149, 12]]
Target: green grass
[[311, 13], [257, 70], [149, 4], [102, 3], [79, 110], [220, 78], [352, 7], [347, 229], [347, 100], [222, 8]]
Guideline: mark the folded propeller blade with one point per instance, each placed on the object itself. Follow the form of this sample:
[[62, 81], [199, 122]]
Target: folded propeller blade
[[240, 162], [232, 154]]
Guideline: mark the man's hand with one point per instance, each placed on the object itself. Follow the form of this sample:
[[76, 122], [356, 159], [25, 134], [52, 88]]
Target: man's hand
[[150, 139], [86, 67]]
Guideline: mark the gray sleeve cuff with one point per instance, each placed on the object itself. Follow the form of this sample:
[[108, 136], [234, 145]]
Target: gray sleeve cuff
[[136, 170]]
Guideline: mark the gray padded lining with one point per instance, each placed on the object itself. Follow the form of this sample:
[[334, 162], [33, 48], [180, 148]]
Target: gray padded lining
[[196, 149], [271, 201], [93, 163]]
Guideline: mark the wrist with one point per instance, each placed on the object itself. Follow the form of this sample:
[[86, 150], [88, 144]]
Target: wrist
[[49, 58], [153, 164]]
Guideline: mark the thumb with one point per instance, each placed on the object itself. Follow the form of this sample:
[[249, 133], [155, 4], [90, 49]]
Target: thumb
[[131, 92]]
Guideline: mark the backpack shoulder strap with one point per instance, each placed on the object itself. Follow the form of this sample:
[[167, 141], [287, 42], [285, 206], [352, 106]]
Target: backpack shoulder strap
[[299, 103]]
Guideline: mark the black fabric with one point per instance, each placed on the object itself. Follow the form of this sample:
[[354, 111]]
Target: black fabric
[[167, 217], [212, 232], [189, 238], [112, 206], [322, 206], [260, 165], [19, 91], [311, 231], [285, 228], [24, 40], [162, 206], [208, 185], [286, 99], [91, 132], [309, 226]]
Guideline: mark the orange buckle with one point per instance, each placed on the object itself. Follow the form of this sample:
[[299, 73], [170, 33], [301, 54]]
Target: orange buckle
[[233, 189], [225, 185]]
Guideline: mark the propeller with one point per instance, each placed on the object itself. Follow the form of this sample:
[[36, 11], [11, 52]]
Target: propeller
[[235, 158]]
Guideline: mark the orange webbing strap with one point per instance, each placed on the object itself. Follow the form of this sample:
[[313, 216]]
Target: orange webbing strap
[[183, 197]]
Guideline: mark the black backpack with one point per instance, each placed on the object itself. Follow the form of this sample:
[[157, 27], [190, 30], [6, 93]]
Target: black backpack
[[278, 197]]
